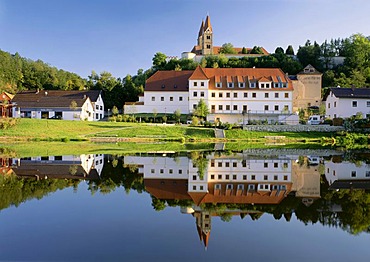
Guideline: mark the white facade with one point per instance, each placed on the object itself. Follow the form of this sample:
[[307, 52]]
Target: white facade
[[159, 102], [346, 107], [346, 171], [98, 106]]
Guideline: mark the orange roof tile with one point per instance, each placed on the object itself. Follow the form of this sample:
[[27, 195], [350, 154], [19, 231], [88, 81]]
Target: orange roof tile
[[199, 74], [168, 81], [167, 188]]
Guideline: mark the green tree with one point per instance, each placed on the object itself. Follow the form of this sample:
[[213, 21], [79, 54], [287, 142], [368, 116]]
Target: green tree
[[256, 50], [310, 54], [159, 60], [202, 109], [289, 50], [244, 50], [114, 110], [177, 115], [279, 50], [227, 48]]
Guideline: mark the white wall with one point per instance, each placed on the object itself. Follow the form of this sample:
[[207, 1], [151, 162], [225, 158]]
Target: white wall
[[343, 171], [343, 107]]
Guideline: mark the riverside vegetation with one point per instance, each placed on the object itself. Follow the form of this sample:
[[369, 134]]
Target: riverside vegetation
[[178, 137]]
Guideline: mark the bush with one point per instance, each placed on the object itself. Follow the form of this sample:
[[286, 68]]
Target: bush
[[6, 123], [338, 121]]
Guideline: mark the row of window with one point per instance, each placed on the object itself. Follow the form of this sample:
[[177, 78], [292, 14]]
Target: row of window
[[170, 98], [245, 94], [353, 173], [354, 104], [170, 171], [252, 85], [244, 177], [97, 107], [245, 108], [251, 187], [245, 164]]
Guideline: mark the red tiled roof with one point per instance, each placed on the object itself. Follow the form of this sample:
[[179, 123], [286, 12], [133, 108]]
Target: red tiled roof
[[167, 188], [226, 74], [168, 81]]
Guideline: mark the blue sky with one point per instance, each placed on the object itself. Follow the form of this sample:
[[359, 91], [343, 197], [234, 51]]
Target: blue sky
[[122, 36]]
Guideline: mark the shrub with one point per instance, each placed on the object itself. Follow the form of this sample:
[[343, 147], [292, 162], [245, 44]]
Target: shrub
[[8, 122]]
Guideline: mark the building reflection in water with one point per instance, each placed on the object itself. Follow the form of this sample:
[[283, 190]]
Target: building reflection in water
[[87, 167], [228, 179]]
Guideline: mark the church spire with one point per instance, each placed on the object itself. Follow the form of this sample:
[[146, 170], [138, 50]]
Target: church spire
[[207, 24], [201, 30]]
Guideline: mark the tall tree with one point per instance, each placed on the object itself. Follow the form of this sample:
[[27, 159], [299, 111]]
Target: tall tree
[[289, 50], [202, 109], [227, 48]]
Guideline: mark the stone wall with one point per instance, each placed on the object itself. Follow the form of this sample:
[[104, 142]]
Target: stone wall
[[293, 128]]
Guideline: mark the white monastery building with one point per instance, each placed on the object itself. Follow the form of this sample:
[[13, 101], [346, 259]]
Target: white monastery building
[[233, 95]]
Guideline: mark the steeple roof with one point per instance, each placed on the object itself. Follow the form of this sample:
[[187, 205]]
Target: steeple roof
[[201, 30], [207, 24]]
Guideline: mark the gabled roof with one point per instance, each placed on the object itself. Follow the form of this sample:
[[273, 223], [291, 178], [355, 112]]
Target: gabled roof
[[168, 81], [198, 74], [309, 69], [207, 24], [351, 92], [10, 96], [53, 98]]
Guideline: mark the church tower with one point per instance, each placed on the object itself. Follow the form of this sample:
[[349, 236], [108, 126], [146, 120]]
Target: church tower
[[205, 37]]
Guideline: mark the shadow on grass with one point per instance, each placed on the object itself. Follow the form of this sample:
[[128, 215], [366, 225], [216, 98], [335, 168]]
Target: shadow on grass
[[108, 126], [198, 132]]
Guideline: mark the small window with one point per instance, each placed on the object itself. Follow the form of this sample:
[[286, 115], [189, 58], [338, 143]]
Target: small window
[[254, 95], [163, 86], [219, 177], [194, 178], [194, 187], [234, 177], [253, 177], [152, 171], [97, 107], [276, 107], [241, 85], [162, 98], [180, 98], [213, 94], [245, 94], [219, 107], [201, 187], [170, 171], [171, 98], [180, 171], [161, 171], [201, 83], [219, 84], [335, 103], [354, 103], [212, 177], [275, 177], [244, 177], [235, 107], [195, 83], [265, 177], [285, 178], [235, 164], [265, 165], [153, 98], [262, 85], [266, 95], [252, 85], [227, 177], [276, 95], [201, 94], [227, 94], [367, 174], [220, 94], [230, 85], [235, 95], [227, 164], [208, 46], [245, 108], [266, 107], [212, 163], [286, 108], [195, 94], [285, 165], [219, 164], [229, 186], [353, 174], [267, 85], [194, 106], [368, 103], [286, 95]]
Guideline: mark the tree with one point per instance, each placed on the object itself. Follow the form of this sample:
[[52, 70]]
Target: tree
[[114, 110], [279, 50], [177, 115], [155, 113], [289, 50], [159, 60], [257, 50], [227, 48], [310, 54], [244, 50], [202, 109]]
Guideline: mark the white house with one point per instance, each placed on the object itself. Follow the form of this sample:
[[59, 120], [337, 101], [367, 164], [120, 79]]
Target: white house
[[346, 102], [233, 95], [67, 105]]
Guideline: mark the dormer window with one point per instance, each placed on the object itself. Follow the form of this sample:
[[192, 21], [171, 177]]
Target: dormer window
[[276, 84], [230, 85], [241, 85], [175, 86], [262, 85], [163, 86], [219, 84], [252, 85], [267, 85], [284, 85]]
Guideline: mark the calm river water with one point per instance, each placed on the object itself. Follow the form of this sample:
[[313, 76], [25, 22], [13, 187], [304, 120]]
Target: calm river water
[[255, 205]]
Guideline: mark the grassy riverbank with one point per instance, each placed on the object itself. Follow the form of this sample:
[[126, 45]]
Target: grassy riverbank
[[55, 130]]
